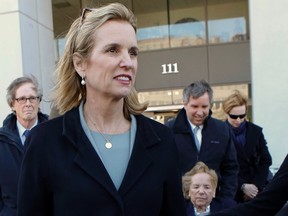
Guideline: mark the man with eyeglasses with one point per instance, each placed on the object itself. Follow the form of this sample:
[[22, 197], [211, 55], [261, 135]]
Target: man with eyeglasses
[[200, 137], [24, 97]]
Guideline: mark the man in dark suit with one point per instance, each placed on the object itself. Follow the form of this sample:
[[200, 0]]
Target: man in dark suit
[[269, 201], [24, 95], [211, 143]]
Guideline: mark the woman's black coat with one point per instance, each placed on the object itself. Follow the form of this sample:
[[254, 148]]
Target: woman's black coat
[[63, 175]]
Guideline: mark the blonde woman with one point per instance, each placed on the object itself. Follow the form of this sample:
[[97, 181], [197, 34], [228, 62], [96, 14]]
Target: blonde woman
[[252, 152], [101, 156]]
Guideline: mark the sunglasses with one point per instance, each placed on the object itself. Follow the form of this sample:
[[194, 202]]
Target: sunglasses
[[83, 14], [237, 116]]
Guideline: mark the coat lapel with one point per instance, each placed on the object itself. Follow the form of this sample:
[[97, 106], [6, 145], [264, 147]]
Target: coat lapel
[[86, 158], [141, 157], [251, 142], [89, 161]]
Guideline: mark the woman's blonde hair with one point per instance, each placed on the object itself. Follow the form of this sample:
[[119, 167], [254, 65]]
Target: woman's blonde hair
[[68, 92], [234, 100], [199, 167]]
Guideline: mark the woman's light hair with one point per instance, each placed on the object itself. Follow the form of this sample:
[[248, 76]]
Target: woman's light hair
[[234, 100], [68, 92]]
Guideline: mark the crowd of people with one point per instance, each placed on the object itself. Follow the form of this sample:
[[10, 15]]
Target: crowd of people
[[99, 155], [216, 148]]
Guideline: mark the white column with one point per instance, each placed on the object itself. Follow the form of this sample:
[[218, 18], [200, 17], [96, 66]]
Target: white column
[[269, 48], [27, 46]]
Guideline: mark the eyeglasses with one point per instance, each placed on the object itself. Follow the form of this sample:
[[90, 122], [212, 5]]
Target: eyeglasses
[[23, 100], [83, 14], [237, 116]]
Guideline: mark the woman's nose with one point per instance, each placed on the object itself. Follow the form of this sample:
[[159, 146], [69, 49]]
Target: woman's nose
[[126, 61], [200, 190]]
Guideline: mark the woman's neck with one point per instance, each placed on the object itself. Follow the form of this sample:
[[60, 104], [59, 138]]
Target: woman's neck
[[105, 119]]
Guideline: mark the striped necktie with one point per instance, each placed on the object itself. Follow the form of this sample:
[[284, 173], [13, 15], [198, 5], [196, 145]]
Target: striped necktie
[[195, 130]]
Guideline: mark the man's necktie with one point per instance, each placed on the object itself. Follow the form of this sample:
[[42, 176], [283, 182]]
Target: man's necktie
[[197, 142], [26, 133]]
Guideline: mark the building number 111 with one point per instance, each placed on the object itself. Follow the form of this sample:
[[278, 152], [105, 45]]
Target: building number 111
[[169, 68]]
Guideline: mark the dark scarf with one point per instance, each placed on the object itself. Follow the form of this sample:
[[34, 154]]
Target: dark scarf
[[238, 133]]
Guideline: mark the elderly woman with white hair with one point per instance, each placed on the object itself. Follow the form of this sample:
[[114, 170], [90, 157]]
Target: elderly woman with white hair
[[199, 188]]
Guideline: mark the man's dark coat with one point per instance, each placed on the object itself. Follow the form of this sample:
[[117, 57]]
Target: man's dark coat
[[217, 150]]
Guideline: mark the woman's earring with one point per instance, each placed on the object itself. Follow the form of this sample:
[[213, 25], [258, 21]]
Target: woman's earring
[[83, 81]]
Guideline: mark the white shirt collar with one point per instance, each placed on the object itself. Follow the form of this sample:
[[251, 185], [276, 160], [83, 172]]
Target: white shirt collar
[[203, 213], [193, 126], [21, 129]]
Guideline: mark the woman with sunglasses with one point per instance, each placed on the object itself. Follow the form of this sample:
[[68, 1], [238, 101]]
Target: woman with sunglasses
[[252, 152], [101, 156]]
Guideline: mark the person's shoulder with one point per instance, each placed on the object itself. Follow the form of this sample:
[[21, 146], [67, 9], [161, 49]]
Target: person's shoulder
[[170, 122], [155, 131], [144, 121], [10, 118], [216, 123], [7, 136], [70, 116], [189, 208], [253, 126], [50, 124], [42, 117], [223, 202], [46, 132], [4, 132]]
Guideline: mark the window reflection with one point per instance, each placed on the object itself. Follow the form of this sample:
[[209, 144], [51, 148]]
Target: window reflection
[[156, 98], [187, 23], [227, 30], [155, 37], [152, 24], [166, 24], [187, 32], [227, 21]]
